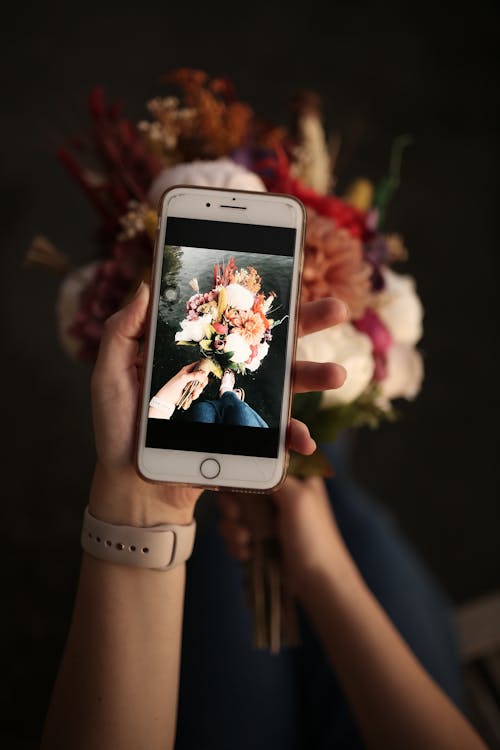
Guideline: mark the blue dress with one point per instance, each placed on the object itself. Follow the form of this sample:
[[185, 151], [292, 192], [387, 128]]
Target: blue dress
[[235, 698]]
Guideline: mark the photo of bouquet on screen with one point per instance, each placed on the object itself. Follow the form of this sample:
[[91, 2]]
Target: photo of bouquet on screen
[[230, 325]]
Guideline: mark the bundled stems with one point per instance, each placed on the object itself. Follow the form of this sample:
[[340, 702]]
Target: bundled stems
[[270, 599]]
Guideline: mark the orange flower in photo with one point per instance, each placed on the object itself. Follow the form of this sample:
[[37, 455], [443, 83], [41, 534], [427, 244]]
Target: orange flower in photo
[[233, 317], [265, 320], [252, 328]]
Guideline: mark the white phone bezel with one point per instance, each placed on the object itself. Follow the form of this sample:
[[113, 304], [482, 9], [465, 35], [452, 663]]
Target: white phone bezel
[[251, 473]]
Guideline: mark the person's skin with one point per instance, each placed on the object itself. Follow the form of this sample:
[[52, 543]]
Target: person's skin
[[118, 680], [171, 392], [395, 702]]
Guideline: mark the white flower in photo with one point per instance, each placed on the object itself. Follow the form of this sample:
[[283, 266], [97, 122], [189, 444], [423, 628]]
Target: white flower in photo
[[193, 330], [266, 306], [220, 173], [238, 296], [346, 346], [405, 372], [401, 309], [262, 350], [237, 344]]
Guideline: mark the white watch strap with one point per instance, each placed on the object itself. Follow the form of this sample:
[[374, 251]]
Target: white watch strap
[[158, 547]]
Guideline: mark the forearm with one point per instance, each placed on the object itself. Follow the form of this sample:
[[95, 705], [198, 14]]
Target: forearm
[[117, 685], [118, 681], [394, 700]]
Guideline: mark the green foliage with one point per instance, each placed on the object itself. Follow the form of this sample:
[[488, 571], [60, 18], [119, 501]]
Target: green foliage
[[239, 368], [325, 425], [389, 184], [316, 465], [224, 360], [305, 406], [278, 322]]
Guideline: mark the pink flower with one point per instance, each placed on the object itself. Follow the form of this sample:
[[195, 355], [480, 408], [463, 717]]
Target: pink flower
[[220, 328], [380, 336], [371, 324], [253, 353], [380, 371]]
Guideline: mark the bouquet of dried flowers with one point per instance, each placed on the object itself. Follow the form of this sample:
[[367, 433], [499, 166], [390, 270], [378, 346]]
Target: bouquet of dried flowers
[[205, 136], [230, 323]]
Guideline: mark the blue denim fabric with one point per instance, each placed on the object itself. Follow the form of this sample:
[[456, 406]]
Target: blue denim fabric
[[228, 409], [232, 696]]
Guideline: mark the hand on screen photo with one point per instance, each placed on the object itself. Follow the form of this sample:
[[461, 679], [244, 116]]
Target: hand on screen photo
[[162, 405]]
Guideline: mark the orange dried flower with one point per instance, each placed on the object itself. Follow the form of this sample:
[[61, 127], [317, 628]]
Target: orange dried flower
[[334, 265], [220, 124], [252, 328], [249, 278], [254, 281], [233, 317]]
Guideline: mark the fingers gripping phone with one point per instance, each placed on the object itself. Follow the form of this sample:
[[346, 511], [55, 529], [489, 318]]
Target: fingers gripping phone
[[221, 342]]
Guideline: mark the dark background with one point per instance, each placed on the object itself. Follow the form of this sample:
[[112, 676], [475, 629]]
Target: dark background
[[383, 70]]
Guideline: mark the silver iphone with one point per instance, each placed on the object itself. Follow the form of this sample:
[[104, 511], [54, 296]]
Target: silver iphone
[[218, 362]]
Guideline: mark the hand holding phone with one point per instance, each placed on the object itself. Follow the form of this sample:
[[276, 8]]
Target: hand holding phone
[[119, 494], [225, 289]]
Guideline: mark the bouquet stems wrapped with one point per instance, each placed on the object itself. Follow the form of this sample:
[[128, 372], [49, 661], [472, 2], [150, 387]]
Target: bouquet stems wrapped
[[269, 596]]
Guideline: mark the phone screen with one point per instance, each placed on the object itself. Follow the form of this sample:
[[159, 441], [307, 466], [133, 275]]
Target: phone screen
[[223, 311]]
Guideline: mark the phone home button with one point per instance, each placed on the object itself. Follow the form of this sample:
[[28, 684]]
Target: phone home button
[[210, 468]]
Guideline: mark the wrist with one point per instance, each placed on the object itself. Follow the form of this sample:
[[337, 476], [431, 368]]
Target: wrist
[[332, 570], [161, 407], [123, 497]]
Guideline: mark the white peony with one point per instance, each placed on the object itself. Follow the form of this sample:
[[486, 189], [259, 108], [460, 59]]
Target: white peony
[[405, 372], [68, 304], [401, 309], [346, 346], [239, 297], [262, 350], [219, 173], [237, 344], [193, 330]]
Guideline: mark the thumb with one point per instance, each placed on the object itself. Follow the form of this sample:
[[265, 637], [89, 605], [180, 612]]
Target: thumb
[[119, 343]]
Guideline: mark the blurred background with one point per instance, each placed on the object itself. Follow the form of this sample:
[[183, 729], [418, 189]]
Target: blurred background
[[424, 69]]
